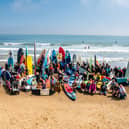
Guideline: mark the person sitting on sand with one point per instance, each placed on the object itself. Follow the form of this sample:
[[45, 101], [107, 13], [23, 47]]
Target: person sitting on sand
[[34, 83], [52, 82], [45, 76], [103, 89], [74, 85], [113, 84], [87, 86], [92, 88], [83, 86], [24, 83], [39, 86], [116, 89], [122, 92], [15, 83], [40, 83], [43, 84]]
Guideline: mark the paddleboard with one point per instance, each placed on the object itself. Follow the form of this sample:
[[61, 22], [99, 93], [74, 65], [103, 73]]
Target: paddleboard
[[69, 91]]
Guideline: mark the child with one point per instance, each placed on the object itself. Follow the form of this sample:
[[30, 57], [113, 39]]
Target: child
[[83, 86], [92, 88], [87, 86], [34, 83], [103, 90]]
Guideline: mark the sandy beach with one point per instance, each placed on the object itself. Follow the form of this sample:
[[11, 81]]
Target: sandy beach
[[76, 46], [59, 112]]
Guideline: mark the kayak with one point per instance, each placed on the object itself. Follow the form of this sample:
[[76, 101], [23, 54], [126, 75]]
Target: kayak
[[69, 91]]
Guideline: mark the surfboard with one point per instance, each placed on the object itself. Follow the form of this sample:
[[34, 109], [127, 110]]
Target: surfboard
[[54, 56], [59, 57], [29, 65], [79, 59], [74, 59], [61, 51], [67, 57], [10, 59], [20, 54]]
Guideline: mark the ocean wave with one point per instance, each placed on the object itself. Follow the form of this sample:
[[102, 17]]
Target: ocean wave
[[12, 44], [42, 44], [100, 59], [110, 59], [82, 50]]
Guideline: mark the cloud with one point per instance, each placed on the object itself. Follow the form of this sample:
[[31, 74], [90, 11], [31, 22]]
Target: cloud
[[120, 3], [124, 3], [27, 5], [84, 2]]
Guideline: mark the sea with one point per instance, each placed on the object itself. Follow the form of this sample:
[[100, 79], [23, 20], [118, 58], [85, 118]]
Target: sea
[[109, 49]]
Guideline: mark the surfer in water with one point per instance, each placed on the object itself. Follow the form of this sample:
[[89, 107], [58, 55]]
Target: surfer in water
[[87, 47]]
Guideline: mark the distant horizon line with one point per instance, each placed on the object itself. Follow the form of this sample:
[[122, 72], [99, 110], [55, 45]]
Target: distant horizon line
[[66, 34]]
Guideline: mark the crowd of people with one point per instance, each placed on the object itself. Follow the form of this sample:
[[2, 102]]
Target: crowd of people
[[89, 78], [86, 79]]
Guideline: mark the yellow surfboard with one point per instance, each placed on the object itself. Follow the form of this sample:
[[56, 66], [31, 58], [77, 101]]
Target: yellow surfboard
[[29, 65]]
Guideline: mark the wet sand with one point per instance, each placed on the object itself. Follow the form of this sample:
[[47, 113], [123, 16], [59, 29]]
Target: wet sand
[[25, 111]]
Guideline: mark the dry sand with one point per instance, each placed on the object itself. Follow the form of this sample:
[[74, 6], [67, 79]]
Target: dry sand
[[25, 111]]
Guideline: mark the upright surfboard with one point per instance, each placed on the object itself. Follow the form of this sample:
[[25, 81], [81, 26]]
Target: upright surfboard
[[79, 59], [67, 57], [10, 59], [20, 56], [61, 51], [54, 56], [59, 57], [74, 60], [29, 65]]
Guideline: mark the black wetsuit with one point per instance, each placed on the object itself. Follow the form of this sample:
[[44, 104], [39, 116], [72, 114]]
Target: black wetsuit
[[60, 77], [37, 78], [24, 83]]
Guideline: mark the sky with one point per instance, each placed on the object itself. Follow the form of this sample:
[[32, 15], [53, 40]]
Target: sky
[[83, 17]]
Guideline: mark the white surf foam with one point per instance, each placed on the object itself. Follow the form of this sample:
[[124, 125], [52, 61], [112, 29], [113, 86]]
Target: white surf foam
[[12, 44]]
